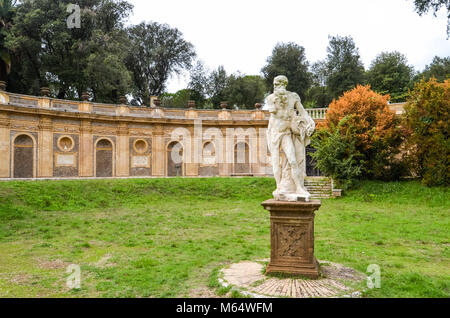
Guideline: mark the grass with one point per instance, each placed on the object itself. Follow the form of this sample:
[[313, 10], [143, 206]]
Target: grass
[[167, 237]]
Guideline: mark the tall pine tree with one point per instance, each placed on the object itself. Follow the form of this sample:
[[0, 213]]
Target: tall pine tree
[[344, 67]]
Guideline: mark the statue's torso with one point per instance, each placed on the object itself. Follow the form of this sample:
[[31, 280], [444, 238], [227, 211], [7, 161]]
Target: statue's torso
[[280, 120]]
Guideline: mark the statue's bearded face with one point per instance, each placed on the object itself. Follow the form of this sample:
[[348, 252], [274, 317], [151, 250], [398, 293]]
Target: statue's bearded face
[[280, 83], [281, 96]]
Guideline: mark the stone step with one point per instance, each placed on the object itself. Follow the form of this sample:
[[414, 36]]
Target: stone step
[[316, 182], [319, 187], [319, 191]]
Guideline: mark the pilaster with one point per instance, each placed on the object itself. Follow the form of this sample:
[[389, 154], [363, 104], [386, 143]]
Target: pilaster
[[45, 148]]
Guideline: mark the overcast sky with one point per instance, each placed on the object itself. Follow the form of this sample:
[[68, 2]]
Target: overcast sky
[[240, 34]]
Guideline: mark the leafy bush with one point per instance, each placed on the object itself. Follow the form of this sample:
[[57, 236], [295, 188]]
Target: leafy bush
[[336, 154], [427, 122], [370, 130]]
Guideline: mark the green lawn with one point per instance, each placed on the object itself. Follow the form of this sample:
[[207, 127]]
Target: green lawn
[[164, 237]]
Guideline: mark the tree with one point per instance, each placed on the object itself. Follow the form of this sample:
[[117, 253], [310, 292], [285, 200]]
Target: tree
[[213, 87], [217, 84], [177, 100], [318, 94], [245, 91], [336, 154], [390, 74], [423, 6], [7, 11], [439, 69], [71, 61], [289, 59], [198, 83], [344, 67], [427, 124], [208, 89], [156, 51], [106, 72], [373, 128]]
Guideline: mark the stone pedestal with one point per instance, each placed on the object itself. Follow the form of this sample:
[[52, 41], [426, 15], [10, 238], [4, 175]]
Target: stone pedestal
[[292, 237]]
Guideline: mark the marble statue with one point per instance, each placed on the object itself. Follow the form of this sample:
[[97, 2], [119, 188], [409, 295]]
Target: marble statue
[[289, 132]]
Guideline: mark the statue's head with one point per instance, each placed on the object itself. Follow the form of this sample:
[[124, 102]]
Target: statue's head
[[280, 82]]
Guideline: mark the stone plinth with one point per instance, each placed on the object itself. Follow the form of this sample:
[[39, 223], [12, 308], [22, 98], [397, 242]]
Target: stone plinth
[[292, 237], [335, 281]]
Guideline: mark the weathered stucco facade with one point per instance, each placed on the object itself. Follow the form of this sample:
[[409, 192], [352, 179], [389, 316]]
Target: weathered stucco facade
[[42, 137]]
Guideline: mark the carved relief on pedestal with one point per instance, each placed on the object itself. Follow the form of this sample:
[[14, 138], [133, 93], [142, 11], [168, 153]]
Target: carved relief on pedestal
[[292, 240]]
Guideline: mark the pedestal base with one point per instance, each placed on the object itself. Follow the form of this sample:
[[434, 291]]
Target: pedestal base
[[291, 197], [292, 237]]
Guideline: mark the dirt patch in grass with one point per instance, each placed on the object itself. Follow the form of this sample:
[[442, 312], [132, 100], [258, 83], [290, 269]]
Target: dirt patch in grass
[[21, 279], [104, 262], [56, 264], [338, 271], [202, 292]]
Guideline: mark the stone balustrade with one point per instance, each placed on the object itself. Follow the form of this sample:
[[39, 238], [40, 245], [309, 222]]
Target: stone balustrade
[[150, 112], [317, 113]]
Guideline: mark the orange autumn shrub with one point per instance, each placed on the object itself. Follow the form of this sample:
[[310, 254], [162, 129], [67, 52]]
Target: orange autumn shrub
[[427, 125], [374, 130]]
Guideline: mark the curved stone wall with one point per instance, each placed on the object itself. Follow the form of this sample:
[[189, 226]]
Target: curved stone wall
[[69, 139]]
